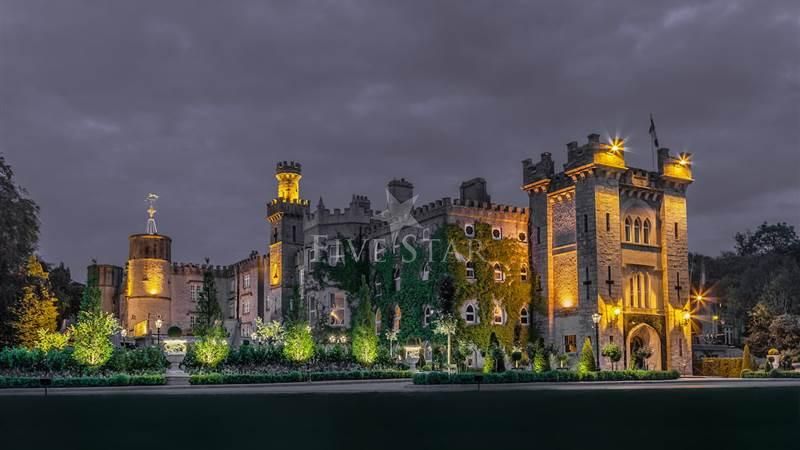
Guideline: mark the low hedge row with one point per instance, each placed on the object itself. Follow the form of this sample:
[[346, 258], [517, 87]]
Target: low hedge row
[[532, 377], [295, 376], [721, 367], [86, 381], [774, 373]]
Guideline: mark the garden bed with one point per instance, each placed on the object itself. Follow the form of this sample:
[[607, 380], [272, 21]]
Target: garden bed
[[84, 381], [515, 376], [295, 376]]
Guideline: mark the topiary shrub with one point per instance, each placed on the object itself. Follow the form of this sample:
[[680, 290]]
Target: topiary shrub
[[174, 331], [613, 352], [587, 362], [747, 360]]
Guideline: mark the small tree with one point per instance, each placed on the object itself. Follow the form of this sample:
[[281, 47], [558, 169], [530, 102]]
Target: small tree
[[391, 336], [271, 333], [298, 346], [92, 337], [747, 360], [365, 341], [212, 348], [37, 308], [613, 353], [587, 362], [541, 363], [209, 313], [447, 326], [51, 340]]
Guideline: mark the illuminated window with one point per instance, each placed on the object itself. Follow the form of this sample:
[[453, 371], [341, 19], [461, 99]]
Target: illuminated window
[[470, 270], [646, 231], [337, 309], [426, 271], [523, 273], [499, 276], [637, 230], [398, 314], [246, 281], [570, 344], [498, 317], [627, 229], [523, 316], [469, 314]]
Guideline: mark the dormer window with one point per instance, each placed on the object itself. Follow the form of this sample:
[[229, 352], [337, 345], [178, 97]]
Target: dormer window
[[469, 230], [497, 233]]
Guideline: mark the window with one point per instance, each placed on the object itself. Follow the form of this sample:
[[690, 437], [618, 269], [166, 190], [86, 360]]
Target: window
[[522, 237], [246, 281], [570, 344], [426, 234], [194, 291], [192, 321], [378, 323], [334, 255], [469, 314], [627, 229], [498, 273], [523, 316], [497, 233], [427, 315], [585, 223], [523, 273], [470, 270], [631, 294], [426, 271], [639, 290], [337, 309], [396, 277], [312, 310], [608, 222], [497, 315], [398, 314], [538, 235], [646, 231], [294, 233], [246, 306], [469, 230], [378, 287], [637, 230], [274, 235], [676, 230]]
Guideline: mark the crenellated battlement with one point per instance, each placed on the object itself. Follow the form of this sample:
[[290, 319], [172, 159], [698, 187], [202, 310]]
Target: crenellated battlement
[[288, 167], [180, 268]]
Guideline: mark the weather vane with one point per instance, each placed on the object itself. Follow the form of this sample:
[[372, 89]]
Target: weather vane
[[151, 213]]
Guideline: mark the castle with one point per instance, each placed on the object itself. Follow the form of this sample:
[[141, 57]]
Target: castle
[[602, 248]]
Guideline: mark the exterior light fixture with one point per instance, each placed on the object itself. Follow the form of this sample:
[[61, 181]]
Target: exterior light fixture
[[617, 311], [159, 322], [616, 145], [715, 317], [687, 316], [596, 319]]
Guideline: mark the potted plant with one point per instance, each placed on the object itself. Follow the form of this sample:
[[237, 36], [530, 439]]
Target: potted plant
[[774, 357], [613, 353], [563, 359], [516, 356]]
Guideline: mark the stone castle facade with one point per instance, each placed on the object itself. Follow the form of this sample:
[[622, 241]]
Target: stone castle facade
[[600, 239]]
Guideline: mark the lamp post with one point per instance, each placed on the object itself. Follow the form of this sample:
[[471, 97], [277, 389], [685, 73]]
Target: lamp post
[[159, 322], [122, 334], [596, 319]]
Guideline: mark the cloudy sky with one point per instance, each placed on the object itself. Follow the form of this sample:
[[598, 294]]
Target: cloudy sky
[[103, 102]]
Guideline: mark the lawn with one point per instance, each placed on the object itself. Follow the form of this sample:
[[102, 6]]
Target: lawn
[[643, 419]]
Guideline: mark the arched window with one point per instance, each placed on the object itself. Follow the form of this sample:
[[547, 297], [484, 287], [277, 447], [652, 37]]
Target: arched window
[[523, 273], [631, 293], [523, 316], [646, 231], [639, 290], [470, 268], [426, 271], [637, 230], [396, 276], [498, 272], [398, 314], [497, 315], [378, 322], [627, 229], [469, 314], [648, 296], [427, 315]]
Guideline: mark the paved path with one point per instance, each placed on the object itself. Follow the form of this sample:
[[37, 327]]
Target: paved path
[[405, 386]]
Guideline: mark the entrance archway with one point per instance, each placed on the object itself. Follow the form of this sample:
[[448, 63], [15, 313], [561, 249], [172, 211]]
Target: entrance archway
[[644, 336]]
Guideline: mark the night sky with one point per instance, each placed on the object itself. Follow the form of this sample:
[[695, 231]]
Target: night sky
[[103, 102]]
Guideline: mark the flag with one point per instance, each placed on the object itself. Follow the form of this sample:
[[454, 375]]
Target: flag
[[652, 131]]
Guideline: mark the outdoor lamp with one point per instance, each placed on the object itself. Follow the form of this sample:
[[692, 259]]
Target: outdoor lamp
[[686, 317], [596, 319]]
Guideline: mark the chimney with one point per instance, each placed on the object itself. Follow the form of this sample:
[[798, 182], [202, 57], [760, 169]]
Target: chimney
[[401, 189]]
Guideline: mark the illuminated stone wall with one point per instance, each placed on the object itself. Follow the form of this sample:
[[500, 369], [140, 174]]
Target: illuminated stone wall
[[563, 222], [565, 280]]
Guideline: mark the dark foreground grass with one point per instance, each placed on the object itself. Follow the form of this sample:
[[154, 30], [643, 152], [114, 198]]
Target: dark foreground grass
[[766, 418]]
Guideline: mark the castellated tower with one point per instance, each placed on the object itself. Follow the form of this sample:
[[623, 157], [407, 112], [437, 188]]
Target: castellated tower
[[147, 289], [610, 240], [285, 214]]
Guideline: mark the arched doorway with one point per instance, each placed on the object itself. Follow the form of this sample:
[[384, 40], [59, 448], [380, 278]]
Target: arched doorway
[[642, 340]]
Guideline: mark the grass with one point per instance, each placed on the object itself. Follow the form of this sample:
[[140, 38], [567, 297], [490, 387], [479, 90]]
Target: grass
[[642, 419]]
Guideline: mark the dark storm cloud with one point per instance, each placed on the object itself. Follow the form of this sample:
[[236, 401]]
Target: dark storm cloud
[[103, 102]]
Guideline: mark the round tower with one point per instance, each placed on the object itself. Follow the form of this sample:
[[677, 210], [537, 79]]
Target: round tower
[[147, 287], [108, 279], [288, 175]]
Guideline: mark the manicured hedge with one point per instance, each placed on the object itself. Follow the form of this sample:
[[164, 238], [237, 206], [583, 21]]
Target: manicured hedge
[[532, 377], [113, 380], [774, 373], [721, 367], [295, 376]]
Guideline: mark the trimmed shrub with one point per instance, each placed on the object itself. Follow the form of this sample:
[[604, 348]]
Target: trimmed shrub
[[774, 373], [174, 331], [551, 376], [295, 376], [88, 381], [587, 362], [721, 367], [747, 360]]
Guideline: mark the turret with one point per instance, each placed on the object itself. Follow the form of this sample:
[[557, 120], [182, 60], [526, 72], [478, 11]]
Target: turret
[[288, 175], [401, 189]]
